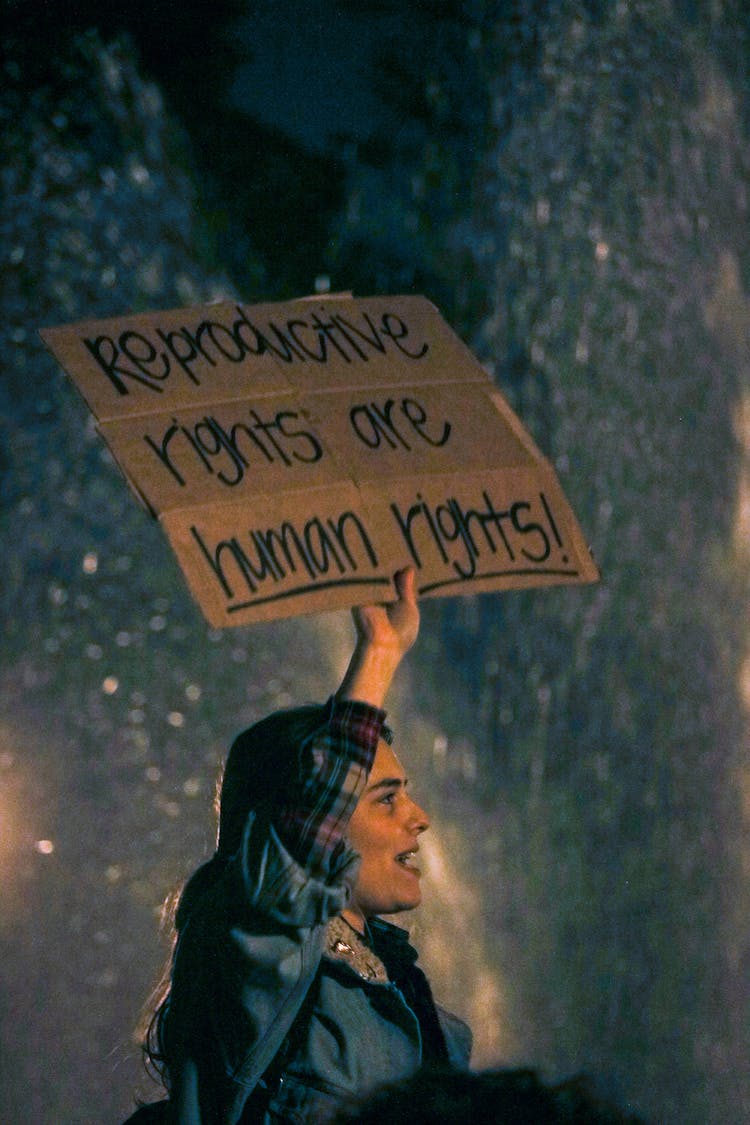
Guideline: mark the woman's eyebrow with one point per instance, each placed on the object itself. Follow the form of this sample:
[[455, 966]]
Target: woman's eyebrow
[[388, 783]]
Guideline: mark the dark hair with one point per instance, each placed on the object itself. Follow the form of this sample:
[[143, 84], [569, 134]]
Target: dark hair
[[260, 766], [494, 1097], [261, 763]]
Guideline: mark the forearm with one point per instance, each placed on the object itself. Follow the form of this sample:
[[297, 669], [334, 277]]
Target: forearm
[[370, 673], [385, 633]]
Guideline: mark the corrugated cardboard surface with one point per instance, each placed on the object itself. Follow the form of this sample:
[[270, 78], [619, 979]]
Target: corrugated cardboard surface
[[297, 454]]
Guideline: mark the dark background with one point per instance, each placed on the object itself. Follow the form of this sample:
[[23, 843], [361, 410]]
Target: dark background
[[568, 182]]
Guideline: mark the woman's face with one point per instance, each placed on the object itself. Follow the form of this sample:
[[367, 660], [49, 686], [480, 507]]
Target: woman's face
[[384, 829]]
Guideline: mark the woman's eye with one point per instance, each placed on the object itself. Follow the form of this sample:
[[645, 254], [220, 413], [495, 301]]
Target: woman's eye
[[388, 799]]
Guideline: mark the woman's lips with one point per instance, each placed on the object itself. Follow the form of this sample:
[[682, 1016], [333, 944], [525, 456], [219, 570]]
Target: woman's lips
[[405, 860]]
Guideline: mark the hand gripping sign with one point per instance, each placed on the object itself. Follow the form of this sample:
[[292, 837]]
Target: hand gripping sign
[[297, 454]]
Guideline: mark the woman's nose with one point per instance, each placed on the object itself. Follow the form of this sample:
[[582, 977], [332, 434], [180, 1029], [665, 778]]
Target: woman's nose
[[418, 818]]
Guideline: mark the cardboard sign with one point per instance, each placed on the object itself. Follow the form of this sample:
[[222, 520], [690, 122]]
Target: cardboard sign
[[297, 454]]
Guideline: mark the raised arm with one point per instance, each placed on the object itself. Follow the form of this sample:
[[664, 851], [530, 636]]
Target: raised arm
[[385, 633], [335, 764]]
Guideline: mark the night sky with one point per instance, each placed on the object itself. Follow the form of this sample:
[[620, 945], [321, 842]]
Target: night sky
[[310, 70]]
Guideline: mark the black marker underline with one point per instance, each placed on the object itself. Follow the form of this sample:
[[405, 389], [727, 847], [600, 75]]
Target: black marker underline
[[299, 590], [498, 574]]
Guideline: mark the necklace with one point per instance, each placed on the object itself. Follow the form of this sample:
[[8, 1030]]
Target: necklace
[[345, 943], [363, 935]]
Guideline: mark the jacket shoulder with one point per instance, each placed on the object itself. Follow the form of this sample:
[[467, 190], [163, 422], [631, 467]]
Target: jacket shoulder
[[458, 1038]]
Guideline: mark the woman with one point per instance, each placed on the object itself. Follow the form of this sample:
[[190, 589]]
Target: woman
[[289, 995]]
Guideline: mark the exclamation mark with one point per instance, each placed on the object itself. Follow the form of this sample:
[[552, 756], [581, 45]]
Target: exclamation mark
[[552, 523]]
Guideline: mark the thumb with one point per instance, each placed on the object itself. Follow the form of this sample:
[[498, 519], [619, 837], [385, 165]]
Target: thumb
[[405, 583]]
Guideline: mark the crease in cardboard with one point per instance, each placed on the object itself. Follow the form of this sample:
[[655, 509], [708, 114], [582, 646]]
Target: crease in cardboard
[[296, 454]]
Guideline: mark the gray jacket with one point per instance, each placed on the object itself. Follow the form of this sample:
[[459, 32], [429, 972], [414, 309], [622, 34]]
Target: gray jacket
[[247, 960]]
